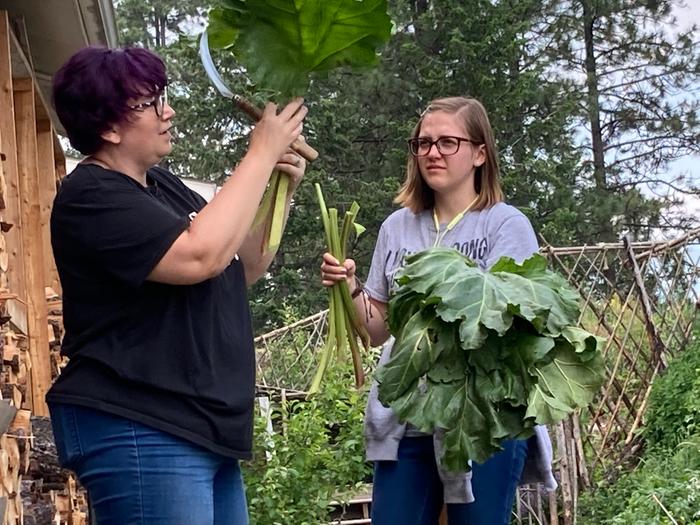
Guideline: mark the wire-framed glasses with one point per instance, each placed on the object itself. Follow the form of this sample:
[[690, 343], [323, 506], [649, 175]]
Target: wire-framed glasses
[[421, 146]]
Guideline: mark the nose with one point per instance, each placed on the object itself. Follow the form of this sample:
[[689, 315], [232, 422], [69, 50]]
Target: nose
[[168, 111], [433, 151]]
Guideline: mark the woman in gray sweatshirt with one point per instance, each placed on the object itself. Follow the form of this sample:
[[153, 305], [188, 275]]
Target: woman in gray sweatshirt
[[451, 197]]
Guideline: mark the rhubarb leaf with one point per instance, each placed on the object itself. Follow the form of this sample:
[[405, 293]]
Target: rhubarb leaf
[[484, 356], [281, 43]]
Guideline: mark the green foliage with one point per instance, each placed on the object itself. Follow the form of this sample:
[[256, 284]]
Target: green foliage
[[154, 23], [316, 456], [485, 355], [282, 42], [668, 477], [665, 486], [674, 405], [636, 74]]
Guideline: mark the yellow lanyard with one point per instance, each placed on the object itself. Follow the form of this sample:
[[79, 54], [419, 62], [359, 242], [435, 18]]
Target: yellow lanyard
[[439, 236]]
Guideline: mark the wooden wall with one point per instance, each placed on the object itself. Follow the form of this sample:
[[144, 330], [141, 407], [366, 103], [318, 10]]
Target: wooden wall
[[30, 166]]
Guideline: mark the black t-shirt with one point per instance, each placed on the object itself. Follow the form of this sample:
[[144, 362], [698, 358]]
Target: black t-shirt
[[179, 358]]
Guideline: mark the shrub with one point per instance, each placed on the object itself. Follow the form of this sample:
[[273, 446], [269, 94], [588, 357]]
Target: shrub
[[317, 458], [673, 414], [665, 486]]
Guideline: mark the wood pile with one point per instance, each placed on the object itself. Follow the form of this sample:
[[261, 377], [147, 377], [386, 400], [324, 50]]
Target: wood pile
[[15, 366], [55, 318], [50, 493], [34, 490], [32, 163]]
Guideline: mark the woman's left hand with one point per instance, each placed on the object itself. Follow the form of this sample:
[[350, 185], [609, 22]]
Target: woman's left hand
[[293, 165]]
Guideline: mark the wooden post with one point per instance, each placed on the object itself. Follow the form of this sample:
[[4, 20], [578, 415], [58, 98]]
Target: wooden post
[[582, 469], [553, 508], [47, 191], [565, 479], [12, 214], [573, 466], [33, 241], [658, 349]]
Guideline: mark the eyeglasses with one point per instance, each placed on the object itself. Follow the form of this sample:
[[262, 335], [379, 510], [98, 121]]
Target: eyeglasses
[[158, 103], [421, 146]]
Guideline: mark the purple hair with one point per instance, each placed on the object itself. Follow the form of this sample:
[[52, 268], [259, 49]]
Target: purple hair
[[91, 90]]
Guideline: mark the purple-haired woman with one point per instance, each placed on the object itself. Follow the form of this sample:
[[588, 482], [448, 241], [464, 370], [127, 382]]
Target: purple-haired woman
[[155, 407]]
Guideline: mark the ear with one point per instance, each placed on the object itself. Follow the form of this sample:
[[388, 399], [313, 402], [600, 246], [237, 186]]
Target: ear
[[480, 156], [112, 135]]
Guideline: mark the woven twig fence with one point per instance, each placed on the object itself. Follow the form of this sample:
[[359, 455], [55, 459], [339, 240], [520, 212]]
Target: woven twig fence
[[642, 296]]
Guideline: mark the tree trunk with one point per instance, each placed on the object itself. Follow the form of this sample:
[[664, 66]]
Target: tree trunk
[[421, 6], [593, 96]]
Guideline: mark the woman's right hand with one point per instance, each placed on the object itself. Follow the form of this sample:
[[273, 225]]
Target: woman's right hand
[[275, 132], [372, 313], [333, 271]]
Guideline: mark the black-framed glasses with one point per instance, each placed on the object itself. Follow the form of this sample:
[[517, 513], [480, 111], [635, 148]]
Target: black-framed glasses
[[158, 103], [421, 146]]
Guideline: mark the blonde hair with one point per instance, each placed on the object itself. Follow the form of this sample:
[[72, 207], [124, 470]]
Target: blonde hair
[[416, 195]]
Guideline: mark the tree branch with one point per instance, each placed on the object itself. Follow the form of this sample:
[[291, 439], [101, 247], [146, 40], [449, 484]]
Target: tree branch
[[623, 185]]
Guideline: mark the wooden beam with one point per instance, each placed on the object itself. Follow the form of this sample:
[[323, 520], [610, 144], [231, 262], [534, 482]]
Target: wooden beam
[[11, 214], [47, 192], [59, 159], [60, 170], [33, 241]]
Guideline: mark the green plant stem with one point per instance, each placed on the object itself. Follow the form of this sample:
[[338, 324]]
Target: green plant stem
[[324, 214], [355, 352], [325, 352], [280, 206], [267, 200], [344, 326]]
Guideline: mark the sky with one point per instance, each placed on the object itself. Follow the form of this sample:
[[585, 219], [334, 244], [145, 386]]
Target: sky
[[688, 16]]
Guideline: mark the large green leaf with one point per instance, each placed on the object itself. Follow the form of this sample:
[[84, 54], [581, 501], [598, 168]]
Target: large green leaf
[[424, 407], [481, 300], [414, 354], [475, 427], [282, 42], [484, 356], [564, 384]]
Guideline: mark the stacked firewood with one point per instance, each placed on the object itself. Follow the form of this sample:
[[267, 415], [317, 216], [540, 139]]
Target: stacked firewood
[[52, 492], [15, 365], [34, 490], [14, 461], [55, 318]]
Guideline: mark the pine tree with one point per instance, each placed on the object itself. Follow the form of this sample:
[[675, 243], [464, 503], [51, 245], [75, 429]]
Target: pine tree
[[638, 78]]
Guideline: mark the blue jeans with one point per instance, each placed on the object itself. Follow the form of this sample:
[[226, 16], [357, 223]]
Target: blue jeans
[[409, 491], [136, 475]]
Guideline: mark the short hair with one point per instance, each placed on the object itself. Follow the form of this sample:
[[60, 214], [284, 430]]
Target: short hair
[[416, 195], [91, 90]]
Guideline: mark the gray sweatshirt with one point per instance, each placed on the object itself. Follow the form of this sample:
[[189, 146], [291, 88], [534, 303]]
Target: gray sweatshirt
[[483, 236]]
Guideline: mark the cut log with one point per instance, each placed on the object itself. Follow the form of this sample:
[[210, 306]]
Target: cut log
[[51, 494]]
